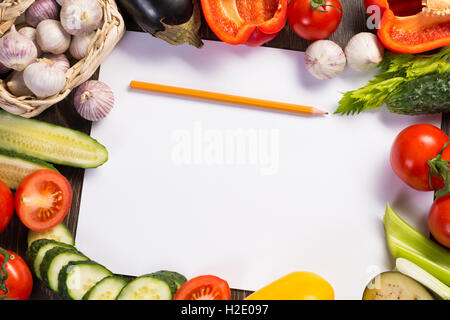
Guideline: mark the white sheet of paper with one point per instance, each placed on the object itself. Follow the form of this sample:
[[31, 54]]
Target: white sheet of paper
[[244, 194]]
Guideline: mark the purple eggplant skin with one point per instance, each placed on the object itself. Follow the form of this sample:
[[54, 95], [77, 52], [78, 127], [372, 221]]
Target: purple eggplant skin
[[149, 14]]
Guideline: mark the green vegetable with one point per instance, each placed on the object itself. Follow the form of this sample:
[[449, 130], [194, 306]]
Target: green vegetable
[[146, 287], [424, 95], [15, 167], [396, 69], [405, 242], [176, 277], [59, 233], [78, 277], [106, 289], [410, 269], [50, 142]]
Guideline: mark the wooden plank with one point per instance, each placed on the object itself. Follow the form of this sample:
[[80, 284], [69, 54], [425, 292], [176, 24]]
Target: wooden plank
[[14, 238]]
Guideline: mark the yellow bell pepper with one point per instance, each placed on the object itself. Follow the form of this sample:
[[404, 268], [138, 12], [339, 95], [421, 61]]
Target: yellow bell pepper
[[296, 286]]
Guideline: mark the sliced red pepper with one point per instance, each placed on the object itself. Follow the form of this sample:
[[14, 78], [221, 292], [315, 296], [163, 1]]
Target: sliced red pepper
[[405, 28], [251, 22]]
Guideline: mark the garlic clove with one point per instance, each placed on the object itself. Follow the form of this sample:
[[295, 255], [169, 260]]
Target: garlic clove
[[44, 78], [81, 17], [16, 50], [94, 100], [325, 60], [60, 60], [364, 51], [16, 85], [41, 10], [52, 37], [30, 33], [80, 45]]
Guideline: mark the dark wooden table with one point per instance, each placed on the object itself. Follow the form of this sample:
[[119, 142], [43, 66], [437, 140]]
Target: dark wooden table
[[14, 237]]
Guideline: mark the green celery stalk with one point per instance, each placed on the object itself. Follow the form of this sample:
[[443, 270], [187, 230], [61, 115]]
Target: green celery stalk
[[404, 241]]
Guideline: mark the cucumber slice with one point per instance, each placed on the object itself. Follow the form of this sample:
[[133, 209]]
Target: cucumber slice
[[147, 287], [36, 252], [54, 260], [14, 167], [176, 277], [107, 289], [50, 142], [78, 277], [59, 233]]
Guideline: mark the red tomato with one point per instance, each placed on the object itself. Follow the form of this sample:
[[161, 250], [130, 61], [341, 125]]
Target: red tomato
[[43, 200], [20, 279], [6, 206], [314, 24], [204, 288], [410, 152], [439, 220]]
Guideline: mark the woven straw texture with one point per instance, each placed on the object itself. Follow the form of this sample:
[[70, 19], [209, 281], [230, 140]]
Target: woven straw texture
[[101, 46]]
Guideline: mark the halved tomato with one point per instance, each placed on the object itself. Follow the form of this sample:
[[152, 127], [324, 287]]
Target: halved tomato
[[204, 288], [43, 200]]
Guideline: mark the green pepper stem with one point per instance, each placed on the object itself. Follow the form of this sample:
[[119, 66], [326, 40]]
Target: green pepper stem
[[315, 4]]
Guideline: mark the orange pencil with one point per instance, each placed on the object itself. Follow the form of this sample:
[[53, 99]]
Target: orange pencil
[[220, 97]]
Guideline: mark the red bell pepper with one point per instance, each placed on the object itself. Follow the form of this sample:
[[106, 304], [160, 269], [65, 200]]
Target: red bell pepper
[[406, 28], [250, 22]]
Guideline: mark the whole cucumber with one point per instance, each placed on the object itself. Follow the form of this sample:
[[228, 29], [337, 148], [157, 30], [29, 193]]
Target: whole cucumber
[[424, 95]]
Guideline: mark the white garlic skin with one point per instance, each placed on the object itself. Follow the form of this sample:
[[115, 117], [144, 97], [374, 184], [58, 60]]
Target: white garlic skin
[[44, 78], [60, 2], [51, 37], [81, 17], [364, 51], [41, 10], [60, 60], [325, 60], [80, 44], [16, 50], [16, 85], [30, 33], [94, 100]]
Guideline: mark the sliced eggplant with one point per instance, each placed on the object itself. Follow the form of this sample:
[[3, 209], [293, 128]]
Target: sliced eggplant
[[174, 21], [395, 286]]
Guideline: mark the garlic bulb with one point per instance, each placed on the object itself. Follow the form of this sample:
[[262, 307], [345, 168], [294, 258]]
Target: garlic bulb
[[364, 51], [44, 78], [30, 33], [52, 37], [325, 59], [41, 10], [80, 44], [81, 17], [16, 85], [94, 100], [60, 60], [16, 50]]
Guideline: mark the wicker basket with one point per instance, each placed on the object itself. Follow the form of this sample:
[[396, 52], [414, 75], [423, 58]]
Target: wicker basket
[[101, 46]]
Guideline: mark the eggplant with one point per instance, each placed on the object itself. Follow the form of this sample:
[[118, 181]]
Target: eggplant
[[175, 21]]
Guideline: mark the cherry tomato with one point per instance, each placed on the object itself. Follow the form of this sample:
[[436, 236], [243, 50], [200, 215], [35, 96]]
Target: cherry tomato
[[20, 279], [411, 150], [439, 220], [43, 200], [6, 206], [204, 288], [314, 23]]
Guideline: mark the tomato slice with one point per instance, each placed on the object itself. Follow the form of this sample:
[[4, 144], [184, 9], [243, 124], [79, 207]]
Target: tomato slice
[[204, 288], [43, 200]]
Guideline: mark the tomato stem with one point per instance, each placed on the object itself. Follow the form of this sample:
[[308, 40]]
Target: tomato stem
[[315, 4], [440, 167], [4, 273]]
